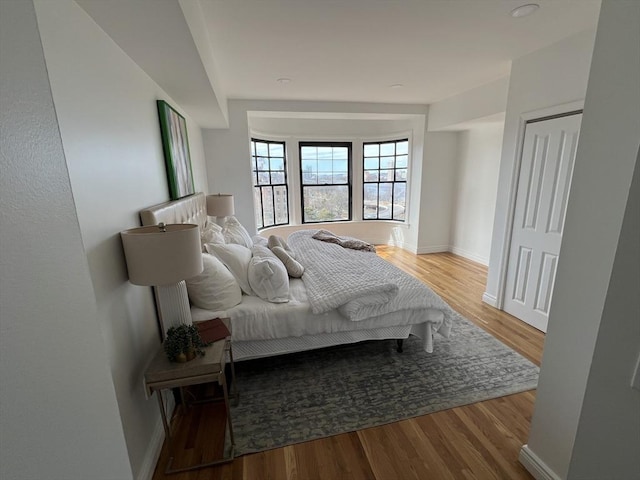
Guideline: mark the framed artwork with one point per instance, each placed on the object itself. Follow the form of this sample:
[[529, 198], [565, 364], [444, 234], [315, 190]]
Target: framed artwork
[[175, 144]]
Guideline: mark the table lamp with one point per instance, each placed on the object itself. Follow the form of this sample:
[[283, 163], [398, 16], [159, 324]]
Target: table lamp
[[220, 206], [163, 256]]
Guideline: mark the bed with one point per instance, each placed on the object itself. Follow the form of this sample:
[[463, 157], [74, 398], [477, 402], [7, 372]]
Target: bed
[[262, 328]]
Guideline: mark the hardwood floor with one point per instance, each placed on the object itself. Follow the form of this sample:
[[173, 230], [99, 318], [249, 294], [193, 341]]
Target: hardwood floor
[[479, 441]]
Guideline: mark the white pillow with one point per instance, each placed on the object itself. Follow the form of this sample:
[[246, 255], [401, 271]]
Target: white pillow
[[215, 288], [234, 232], [236, 258], [211, 233], [258, 240], [267, 276]]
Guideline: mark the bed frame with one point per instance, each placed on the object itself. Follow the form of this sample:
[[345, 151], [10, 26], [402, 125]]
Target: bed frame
[[192, 209]]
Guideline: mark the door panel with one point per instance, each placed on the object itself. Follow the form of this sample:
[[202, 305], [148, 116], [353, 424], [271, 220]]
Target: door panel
[[546, 167]]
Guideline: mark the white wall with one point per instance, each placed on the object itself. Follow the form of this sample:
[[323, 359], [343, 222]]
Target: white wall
[[106, 107], [58, 408], [586, 423], [228, 153], [480, 102], [548, 77], [476, 190], [437, 192]]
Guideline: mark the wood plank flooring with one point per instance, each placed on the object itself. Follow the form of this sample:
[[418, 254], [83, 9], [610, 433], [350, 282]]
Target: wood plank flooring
[[479, 441]]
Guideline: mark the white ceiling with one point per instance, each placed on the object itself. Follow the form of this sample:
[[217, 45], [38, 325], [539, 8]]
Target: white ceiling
[[203, 52]]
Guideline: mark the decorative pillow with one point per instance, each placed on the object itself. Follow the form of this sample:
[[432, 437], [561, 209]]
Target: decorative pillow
[[276, 241], [214, 288], [236, 258], [294, 269], [211, 233], [234, 232], [268, 276]]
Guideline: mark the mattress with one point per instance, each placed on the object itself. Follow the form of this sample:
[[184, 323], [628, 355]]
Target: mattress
[[256, 319]]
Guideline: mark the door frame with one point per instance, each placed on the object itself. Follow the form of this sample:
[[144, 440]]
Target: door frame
[[560, 110]]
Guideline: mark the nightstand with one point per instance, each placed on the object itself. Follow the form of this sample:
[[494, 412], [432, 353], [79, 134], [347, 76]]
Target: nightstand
[[163, 374]]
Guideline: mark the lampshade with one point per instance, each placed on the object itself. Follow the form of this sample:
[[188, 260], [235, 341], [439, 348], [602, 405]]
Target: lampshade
[[220, 205], [162, 254]]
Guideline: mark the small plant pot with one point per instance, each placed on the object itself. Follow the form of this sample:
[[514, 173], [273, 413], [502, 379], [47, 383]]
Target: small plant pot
[[183, 343]]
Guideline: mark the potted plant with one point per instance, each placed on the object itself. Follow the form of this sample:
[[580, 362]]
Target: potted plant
[[183, 343]]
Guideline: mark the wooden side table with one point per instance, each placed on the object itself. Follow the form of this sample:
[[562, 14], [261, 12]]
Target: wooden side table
[[163, 374]]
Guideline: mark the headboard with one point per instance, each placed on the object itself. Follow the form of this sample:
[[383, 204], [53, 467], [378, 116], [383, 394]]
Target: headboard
[[191, 209]]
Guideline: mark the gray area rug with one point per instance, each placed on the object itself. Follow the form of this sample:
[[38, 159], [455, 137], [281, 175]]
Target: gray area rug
[[304, 396]]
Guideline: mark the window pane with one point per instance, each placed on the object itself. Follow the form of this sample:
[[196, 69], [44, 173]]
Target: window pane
[[325, 166], [325, 203], [340, 166], [370, 202], [281, 208], [309, 171], [341, 153], [387, 149], [401, 175], [325, 153], [258, 206], [399, 201], [267, 206], [309, 153], [339, 178], [263, 178], [386, 162], [371, 150], [263, 163], [401, 161], [384, 200], [309, 178], [371, 176], [402, 148], [371, 163], [277, 177], [262, 149], [276, 150], [277, 163], [386, 175]]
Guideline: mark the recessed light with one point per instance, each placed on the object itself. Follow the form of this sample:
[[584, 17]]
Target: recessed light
[[396, 86], [524, 10], [284, 80]]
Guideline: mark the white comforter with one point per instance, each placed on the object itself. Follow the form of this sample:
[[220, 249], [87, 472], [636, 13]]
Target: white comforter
[[360, 284]]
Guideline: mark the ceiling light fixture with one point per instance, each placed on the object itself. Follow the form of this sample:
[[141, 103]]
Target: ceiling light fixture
[[524, 10], [396, 86], [284, 80]]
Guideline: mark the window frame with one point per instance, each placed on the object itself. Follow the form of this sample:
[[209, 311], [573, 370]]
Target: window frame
[[393, 182], [348, 184], [256, 184]]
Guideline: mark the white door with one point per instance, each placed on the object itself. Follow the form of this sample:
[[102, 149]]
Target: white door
[[546, 168]]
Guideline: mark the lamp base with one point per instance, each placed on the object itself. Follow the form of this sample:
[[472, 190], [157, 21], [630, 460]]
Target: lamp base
[[173, 306]]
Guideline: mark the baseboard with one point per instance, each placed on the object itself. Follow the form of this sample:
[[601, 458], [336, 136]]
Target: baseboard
[[490, 299], [471, 256], [535, 466], [155, 443], [434, 249]]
